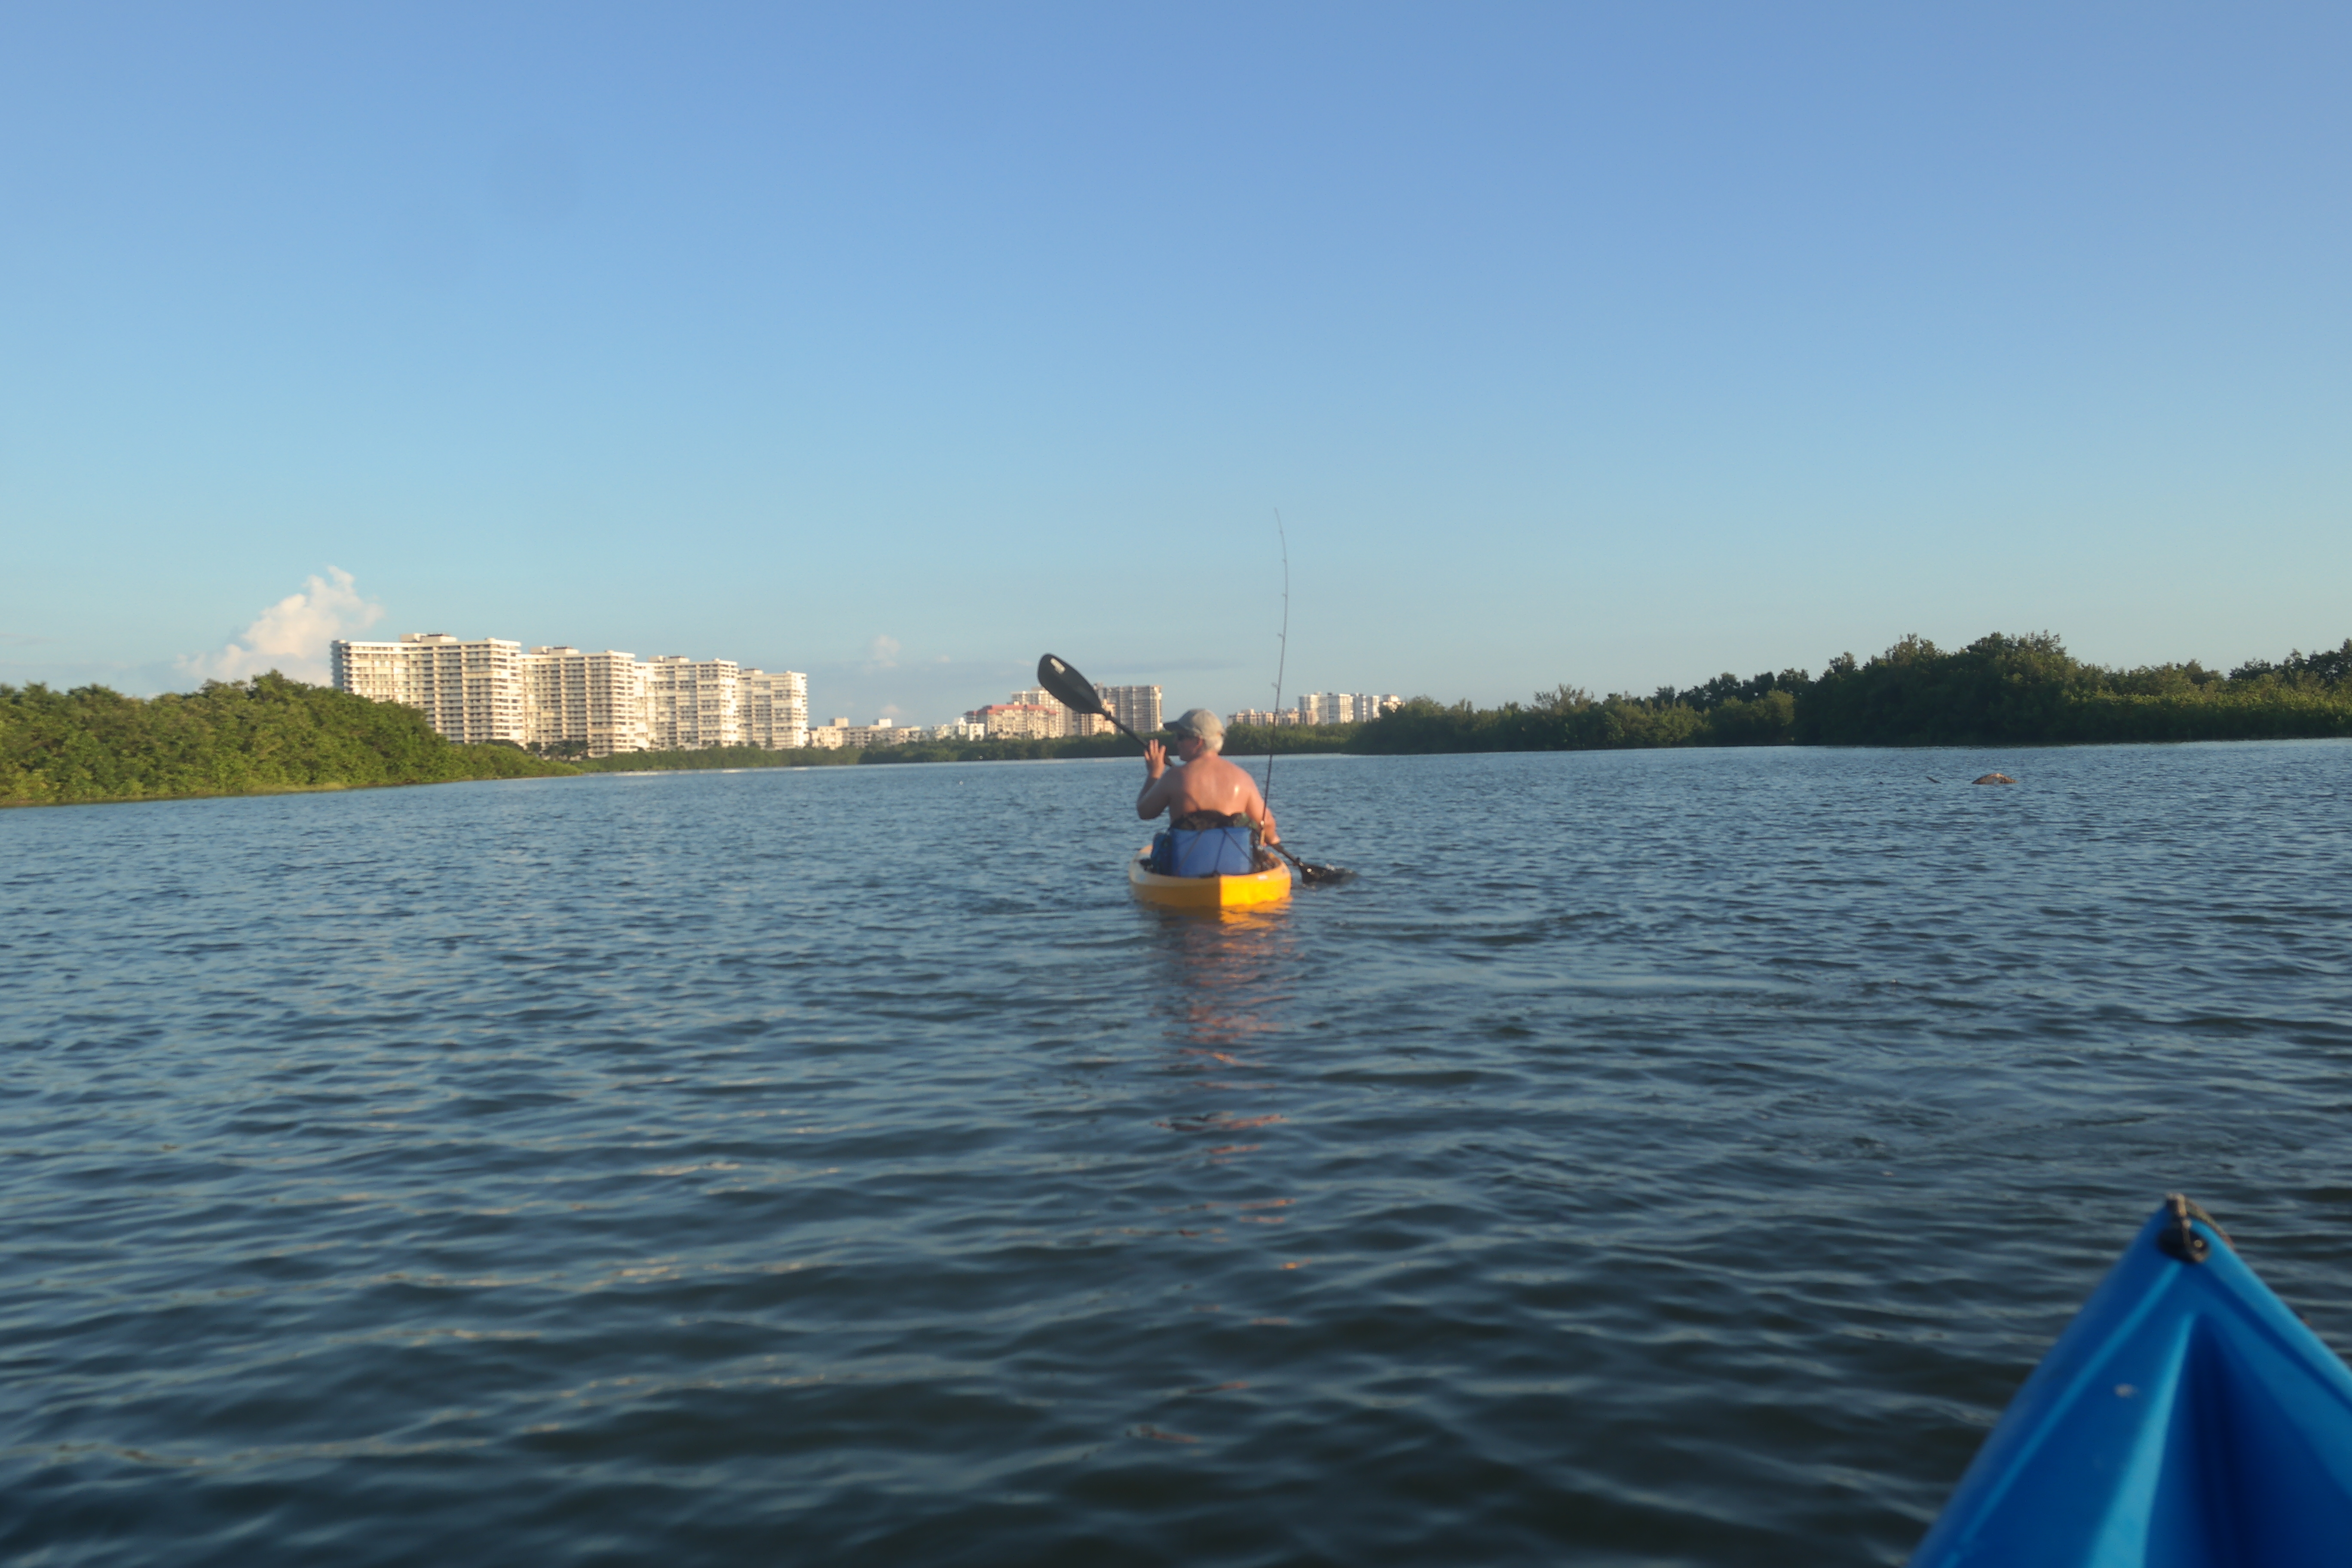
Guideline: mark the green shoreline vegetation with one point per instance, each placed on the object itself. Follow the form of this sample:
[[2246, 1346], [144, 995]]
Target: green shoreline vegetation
[[272, 734], [269, 735], [1998, 690]]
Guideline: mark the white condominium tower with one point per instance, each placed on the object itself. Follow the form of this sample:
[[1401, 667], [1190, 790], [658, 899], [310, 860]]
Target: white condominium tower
[[775, 709], [691, 703], [1137, 707], [597, 699], [490, 690], [469, 692], [1343, 707]]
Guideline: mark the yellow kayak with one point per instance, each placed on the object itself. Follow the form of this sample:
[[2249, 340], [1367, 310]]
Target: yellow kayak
[[1208, 892]]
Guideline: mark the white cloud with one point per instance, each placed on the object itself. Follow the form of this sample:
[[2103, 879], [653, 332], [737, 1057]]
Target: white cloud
[[292, 635], [882, 653]]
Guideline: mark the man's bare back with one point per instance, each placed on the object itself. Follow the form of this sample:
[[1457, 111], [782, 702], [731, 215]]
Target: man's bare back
[[1200, 781]]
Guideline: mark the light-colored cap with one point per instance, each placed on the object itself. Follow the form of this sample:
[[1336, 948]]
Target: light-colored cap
[[1200, 725]]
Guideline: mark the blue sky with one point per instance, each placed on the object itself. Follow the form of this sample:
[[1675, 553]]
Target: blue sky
[[1613, 345]]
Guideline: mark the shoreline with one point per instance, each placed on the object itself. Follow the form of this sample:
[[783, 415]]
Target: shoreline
[[1907, 747]]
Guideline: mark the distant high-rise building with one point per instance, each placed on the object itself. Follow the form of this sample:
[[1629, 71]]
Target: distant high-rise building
[[468, 691], [489, 689], [882, 733], [693, 704], [775, 709], [376, 670], [593, 700], [1323, 708], [1137, 707]]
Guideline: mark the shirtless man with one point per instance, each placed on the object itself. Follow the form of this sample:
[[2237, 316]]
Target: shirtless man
[[1202, 781]]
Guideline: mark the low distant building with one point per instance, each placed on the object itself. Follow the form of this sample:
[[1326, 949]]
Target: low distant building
[[841, 733], [960, 730], [1322, 708], [1342, 707], [1019, 721], [1071, 720]]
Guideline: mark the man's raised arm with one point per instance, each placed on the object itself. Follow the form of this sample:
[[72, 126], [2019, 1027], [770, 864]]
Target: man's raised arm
[[1157, 785]]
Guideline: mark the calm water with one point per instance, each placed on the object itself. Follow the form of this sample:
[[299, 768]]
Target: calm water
[[1672, 1158]]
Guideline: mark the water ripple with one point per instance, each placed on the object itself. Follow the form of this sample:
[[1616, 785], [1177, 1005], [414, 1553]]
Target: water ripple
[[1669, 1158]]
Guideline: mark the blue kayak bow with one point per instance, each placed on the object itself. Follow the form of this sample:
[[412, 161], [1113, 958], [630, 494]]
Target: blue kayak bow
[[2186, 1418]]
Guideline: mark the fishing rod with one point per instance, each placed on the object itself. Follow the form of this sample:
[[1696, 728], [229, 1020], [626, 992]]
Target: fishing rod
[[1310, 872], [1281, 663]]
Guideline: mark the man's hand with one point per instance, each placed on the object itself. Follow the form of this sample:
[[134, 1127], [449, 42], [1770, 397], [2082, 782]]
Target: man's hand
[[1155, 759]]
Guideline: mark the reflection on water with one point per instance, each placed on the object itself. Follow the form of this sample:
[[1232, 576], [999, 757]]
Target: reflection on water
[[1226, 977], [841, 1166], [1223, 974]]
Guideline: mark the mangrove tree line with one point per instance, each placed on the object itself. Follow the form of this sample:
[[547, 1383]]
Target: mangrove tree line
[[255, 737], [1999, 690]]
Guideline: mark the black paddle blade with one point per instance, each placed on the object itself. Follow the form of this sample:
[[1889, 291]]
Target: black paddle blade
[[1070, 689], [1314, 873]]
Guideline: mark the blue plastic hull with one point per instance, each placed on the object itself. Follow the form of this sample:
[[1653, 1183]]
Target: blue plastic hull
[[2185, 1419]]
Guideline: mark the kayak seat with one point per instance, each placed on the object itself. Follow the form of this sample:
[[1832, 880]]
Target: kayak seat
[[1205, 844], [1210, 852]]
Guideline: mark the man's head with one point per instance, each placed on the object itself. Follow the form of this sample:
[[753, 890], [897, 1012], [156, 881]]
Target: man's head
[[1199, 724]]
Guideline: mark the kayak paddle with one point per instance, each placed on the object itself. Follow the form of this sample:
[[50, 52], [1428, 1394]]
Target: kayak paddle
[[1076, 692]]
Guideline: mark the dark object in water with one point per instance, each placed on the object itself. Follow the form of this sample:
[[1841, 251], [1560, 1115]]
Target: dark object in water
[[1994, 778]]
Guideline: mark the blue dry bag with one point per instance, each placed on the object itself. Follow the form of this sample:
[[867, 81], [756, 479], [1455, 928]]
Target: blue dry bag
[[1210, 852]]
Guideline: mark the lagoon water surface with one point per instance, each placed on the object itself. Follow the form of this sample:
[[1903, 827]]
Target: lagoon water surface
[[1651, 1158]]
